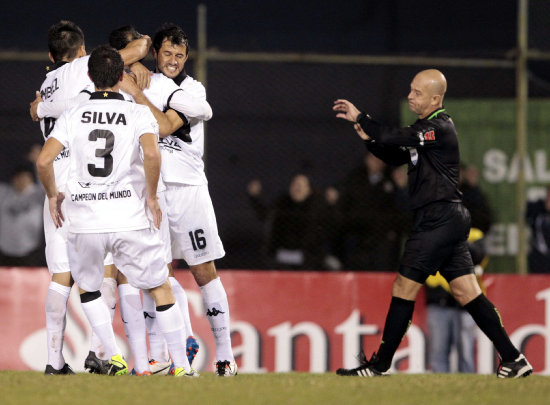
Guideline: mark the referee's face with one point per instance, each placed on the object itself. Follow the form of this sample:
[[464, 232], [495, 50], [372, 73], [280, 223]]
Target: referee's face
[[171, 58], [419, 98]]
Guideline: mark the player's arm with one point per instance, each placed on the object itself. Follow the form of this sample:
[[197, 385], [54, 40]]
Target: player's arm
[[151, 164], [44, 167], [184, 102], [40, 109], [168, 122], [135, 50]]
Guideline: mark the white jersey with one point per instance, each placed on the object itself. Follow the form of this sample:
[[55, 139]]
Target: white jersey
[[182, 160], [106, 187], [62, 84]]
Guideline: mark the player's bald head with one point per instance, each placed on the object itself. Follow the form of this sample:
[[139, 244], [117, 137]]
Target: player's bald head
[[433, 80]]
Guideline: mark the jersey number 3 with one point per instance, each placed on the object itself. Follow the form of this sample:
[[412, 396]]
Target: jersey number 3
[[102, 153]]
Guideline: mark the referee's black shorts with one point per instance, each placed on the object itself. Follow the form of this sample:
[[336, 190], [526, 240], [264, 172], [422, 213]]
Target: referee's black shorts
[[438, 242]]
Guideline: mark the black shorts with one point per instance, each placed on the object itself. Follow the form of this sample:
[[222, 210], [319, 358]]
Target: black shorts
[[438, 242]]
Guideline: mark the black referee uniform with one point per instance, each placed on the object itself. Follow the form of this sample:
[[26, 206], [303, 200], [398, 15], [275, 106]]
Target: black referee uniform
[[441, 222]]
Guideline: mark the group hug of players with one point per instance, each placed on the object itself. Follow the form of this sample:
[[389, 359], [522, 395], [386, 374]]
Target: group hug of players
[[127, 193]]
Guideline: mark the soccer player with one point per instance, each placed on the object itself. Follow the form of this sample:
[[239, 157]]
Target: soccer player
[[107, 188], [165, 94], [441, 222], [190, 212], [64, 81], [162, 95], [193, 228]]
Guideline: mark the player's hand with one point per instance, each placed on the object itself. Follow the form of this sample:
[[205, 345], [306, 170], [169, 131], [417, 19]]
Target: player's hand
[[360, 132], [55, 209], [34, 106], [143, 75], [129, 85], [345, 110], [154, 207], [147, 38]]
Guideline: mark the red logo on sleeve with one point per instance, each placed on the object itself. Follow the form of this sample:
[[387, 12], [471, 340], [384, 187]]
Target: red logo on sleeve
[[429, 135]]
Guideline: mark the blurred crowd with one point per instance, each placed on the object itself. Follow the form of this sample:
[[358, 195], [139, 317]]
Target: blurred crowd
[[358, 224], [21, 212]]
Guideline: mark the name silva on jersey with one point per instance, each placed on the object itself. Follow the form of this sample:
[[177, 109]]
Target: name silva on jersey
[[89, 117]]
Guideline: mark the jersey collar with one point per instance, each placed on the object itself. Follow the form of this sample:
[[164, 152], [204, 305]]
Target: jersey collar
[[180, 78], [435, 113], [51, 68], [106, 95]]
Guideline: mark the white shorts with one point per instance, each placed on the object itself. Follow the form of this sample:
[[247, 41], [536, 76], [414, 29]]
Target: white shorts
[[193, 227], [139, 255], [57, 257], [164, 234]]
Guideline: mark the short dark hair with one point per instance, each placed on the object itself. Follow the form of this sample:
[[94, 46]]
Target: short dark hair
[[173, 33], [64, 39], [105, 66], [122, 36]]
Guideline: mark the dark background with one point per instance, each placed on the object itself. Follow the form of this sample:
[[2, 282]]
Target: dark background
[[273, 119]]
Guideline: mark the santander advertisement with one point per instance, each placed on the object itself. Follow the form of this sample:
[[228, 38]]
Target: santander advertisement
[[283, 321]]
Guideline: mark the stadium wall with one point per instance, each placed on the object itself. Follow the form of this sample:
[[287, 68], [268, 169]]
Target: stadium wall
[[283, 321]]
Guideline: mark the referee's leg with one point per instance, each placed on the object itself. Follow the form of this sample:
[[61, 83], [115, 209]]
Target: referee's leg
[[466, 291], [398, 319]]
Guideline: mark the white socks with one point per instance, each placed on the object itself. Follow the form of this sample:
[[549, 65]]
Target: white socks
[[131, 310], [108, 292], [217, 313], [181, 300], [170, 323], [56, 309], [100, 320], [157, 345]]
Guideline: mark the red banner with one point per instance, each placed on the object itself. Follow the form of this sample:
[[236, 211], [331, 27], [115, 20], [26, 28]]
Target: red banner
[[284, 321]]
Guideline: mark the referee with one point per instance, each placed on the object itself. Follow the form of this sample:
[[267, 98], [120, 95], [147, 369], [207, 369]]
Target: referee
[[441, 222]]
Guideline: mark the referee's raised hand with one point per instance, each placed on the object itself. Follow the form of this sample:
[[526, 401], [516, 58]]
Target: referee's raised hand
[[346, 110]]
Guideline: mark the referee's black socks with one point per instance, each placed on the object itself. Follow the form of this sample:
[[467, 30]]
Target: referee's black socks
[[489, 321], [398, 321]]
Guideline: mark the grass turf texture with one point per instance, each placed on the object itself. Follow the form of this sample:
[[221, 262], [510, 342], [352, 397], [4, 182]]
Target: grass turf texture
[[26, 387]]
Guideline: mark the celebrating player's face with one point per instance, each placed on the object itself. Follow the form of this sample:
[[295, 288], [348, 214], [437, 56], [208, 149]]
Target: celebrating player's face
[[171, 58]]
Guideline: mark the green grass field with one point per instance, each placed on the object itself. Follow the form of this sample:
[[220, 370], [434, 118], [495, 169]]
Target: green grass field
[[19, 387]]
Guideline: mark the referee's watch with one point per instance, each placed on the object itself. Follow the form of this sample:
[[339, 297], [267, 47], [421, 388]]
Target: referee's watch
[[360, 117]]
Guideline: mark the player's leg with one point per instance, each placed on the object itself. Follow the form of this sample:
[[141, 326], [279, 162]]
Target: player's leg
[[131, 311], [59, 290], [86, 256], [195, 238], [171, 324], [97, 361], [139, 256], [217, 312], [178, 291], [181, 299], [159, 362], [466, 291], [56, 309]]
